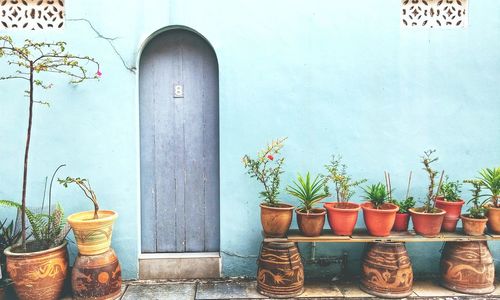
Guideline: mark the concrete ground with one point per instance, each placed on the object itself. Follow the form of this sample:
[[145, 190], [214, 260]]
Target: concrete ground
[[246, 289]]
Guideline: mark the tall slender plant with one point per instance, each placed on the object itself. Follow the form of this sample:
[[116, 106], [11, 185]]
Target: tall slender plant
[[342, 181], [31, 59], [427, 160]]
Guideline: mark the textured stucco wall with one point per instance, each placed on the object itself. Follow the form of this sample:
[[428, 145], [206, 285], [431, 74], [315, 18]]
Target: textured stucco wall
[[333, 76]]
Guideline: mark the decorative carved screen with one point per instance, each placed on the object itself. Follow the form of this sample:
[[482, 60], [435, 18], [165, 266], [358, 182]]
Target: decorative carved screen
[[434, 13], [31, 14]]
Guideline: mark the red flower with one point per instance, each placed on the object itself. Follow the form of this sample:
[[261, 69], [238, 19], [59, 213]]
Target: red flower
[[270, 157], [98, 73]]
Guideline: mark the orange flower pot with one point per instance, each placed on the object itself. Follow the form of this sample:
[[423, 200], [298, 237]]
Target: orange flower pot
[[427, 224], [453, 212], [473, 226], [494, 219], [93, 236], [311, 224], [342, 217], [401, 222], [379, 222], [276, 220]]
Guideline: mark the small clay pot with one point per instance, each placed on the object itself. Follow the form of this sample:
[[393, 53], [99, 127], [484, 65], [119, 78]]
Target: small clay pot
[[473, 226], [93, 236], [494, 219], [379, 221], [311, 224], [401, 222], [276, 220], [342, 216], [453, 211], [427, 224]]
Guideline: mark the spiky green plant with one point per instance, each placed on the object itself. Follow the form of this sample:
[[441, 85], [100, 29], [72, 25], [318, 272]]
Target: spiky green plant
[[477, 210], [337, 173], [377, 194], [450, 190], [308, 192], [9, 236], [266, 168], [48, 230], [490, 180]]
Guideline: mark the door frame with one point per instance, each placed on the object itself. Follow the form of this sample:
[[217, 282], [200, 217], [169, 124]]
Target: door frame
[[210, 262]]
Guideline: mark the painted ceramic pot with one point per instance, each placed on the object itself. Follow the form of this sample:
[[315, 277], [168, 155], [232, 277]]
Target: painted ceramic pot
[[276, 220], [38, 275], [96, 276], [93, 236]]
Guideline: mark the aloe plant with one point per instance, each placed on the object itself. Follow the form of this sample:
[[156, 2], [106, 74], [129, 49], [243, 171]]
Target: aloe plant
[[377, 194], [490, 179], [308, 192]]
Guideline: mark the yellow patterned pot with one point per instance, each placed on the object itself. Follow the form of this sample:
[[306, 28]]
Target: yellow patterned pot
[[93, 236], [38, 275]]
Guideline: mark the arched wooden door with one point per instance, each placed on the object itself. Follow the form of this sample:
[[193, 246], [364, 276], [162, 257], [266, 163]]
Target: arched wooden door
[[179, 129]]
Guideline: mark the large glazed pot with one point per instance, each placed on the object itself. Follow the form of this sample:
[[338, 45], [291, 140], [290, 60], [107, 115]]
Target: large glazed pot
[[342, 217], [427, 224], [38, 275], [276, 220], [93, 236], [96, 276], [494, 219], [467, 267], [280, 273], [453, 211], [379, 221], [386, 270]]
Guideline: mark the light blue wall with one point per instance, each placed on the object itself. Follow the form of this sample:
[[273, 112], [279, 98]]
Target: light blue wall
[[333, 76]]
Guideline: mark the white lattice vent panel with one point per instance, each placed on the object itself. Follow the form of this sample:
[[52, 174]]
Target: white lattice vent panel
[[31, 14], [434, 13]]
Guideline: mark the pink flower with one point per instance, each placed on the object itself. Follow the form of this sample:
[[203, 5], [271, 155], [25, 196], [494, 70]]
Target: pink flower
[[98, 73], [270, 157]]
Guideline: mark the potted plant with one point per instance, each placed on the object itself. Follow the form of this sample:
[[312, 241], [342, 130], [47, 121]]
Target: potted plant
[[449, 200], [29, 61], [275, 216], [310, 219], [490, 180], [474, 222], [342, 215], [93, 229], [403, 215], [9, 236], [378, 214], [427, 220]]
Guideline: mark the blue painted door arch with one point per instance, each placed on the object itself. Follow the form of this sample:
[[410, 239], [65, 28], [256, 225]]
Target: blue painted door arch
[[179, 129]]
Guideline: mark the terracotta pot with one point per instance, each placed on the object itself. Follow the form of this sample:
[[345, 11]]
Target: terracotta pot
[[93, 236], [386, 270], [280, 273], [2, 293], [453, 212], [276, 220], [467, 267], [473, 226], [427, 224], [96, 276], [494, 219], [379, 222], [38, 275], [342, 217], [311, 224], [401, 222]]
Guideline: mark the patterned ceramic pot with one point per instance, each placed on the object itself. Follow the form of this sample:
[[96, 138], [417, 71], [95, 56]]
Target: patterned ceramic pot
[[38, 275], [93, 236], [97, 277]]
